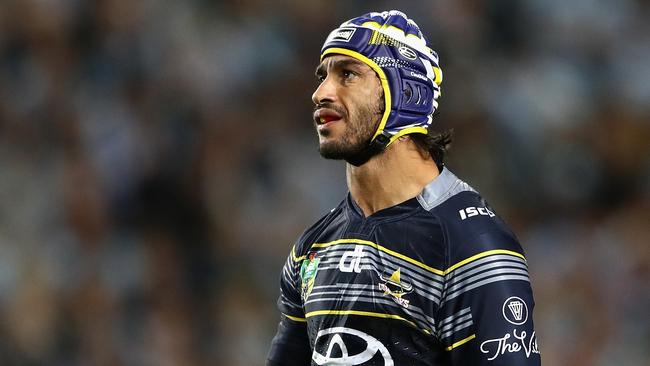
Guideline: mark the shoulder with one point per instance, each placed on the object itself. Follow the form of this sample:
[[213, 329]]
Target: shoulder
[[470, 225], [307, 238]]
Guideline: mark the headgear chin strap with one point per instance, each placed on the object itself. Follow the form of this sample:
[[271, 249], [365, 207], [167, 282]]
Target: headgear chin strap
[[395, 48]]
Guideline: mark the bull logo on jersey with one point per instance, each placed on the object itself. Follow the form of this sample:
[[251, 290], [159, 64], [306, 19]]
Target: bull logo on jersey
[[308, 271], [396, 288], [346, 346]]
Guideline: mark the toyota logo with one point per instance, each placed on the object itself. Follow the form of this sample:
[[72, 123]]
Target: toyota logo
[[345, 346]]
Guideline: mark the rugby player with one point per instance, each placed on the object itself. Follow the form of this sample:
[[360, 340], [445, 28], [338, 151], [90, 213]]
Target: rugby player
[[413, 267]]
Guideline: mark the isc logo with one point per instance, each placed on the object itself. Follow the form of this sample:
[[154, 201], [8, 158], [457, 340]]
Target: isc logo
[[475, 211]]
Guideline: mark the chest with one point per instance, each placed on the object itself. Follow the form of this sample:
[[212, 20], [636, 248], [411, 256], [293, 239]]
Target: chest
[[388, 271]]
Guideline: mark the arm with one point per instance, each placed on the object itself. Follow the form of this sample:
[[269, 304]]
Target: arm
[[486, 314], [290, 346]]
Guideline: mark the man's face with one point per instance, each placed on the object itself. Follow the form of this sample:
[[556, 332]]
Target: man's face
[[349, 105]]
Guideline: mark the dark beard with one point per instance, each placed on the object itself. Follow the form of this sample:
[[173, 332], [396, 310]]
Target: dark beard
[[360, 130]]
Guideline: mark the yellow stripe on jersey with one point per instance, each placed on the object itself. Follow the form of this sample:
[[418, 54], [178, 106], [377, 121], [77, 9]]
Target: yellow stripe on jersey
[[295, 318], [363, 313], [461, 342], [482, 255], [411, 260], [293, 255], [383, 249]]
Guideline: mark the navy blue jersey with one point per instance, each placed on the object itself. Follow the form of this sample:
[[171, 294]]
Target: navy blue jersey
[[436, 280]]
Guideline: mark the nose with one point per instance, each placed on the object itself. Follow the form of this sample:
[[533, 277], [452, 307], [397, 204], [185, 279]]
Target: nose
[[325, 92]]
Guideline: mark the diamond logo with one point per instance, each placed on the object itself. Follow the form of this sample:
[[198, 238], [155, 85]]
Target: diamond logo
[[515, 310]]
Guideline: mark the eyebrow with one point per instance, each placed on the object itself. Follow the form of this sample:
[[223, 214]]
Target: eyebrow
[[321, 69]]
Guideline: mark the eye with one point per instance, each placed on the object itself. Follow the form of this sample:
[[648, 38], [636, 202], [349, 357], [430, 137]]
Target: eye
[[347, 74], [320, 77]]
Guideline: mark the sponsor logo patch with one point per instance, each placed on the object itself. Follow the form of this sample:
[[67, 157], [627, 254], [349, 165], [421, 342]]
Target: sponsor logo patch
[[515, 310], [419, 76], [475, 211], [346, 346], [341, 35], [407, 53], [351, 260], [511, 343], [308, 271]]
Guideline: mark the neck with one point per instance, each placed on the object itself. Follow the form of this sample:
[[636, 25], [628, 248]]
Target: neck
[[392, 177]]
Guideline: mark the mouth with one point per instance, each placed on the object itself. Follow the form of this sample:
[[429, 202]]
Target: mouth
[[325, 116]]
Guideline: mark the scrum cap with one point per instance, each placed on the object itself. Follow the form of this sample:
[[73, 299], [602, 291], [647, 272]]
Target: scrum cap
[[395, 48]]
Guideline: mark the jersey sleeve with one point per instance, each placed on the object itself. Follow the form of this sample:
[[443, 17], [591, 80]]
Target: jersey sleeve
[[290, 301], [290, 346], [486, 311]]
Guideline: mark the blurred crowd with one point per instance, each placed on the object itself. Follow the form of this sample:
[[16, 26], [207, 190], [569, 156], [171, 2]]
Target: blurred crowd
[[158, 161]]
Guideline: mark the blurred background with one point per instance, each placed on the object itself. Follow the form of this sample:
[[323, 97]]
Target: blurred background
[[158, 161]]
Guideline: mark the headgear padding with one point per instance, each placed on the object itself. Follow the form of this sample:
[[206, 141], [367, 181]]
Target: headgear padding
[[395, 48]]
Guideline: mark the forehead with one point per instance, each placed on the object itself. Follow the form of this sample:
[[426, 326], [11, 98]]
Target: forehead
[[336, 60]]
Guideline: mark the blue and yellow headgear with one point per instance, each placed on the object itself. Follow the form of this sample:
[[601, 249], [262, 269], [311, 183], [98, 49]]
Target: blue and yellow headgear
[[395, 48]]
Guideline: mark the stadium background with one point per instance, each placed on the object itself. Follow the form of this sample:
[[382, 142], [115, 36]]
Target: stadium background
[[158, 161]]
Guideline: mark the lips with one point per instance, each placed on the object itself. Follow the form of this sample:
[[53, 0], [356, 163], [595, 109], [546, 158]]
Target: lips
[[325, 115]]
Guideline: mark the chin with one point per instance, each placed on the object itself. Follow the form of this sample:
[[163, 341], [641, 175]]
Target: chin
[[337, 150], [330, 151]]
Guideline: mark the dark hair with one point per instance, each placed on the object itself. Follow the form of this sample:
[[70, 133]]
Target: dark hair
[[434, 143]]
